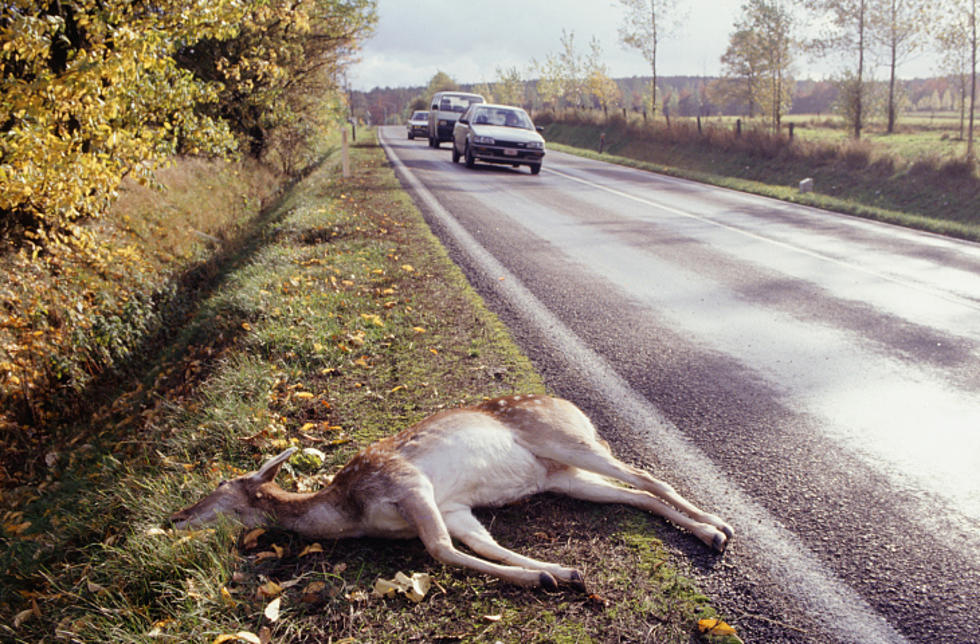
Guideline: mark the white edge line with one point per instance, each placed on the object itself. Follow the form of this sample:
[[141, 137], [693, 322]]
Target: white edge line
[[835, 606]]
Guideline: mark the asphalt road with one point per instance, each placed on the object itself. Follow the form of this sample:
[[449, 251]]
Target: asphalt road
[[811, 377]]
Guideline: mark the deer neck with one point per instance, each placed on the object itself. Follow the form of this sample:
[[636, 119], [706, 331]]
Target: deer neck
[[311, 514]]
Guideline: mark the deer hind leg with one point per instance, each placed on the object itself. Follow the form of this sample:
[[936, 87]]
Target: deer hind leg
[[590, 486], [464, 526], [420, 509]]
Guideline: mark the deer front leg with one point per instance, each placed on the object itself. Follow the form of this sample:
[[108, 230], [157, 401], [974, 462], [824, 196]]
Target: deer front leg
[[588, 486], [464, 526], [419, 508]]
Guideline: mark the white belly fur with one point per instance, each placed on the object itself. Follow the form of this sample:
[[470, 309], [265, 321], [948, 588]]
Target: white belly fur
[[480, 464]]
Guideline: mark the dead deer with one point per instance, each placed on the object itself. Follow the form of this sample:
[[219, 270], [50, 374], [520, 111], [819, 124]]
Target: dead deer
[[425, 481]]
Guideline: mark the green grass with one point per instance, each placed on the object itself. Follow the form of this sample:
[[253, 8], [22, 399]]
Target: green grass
[[340, 320]]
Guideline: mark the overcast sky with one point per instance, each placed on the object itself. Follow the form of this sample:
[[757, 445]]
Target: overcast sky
[[470, 39]]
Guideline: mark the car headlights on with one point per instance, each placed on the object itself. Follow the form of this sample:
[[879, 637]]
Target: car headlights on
[[535, 145], [483, 140]]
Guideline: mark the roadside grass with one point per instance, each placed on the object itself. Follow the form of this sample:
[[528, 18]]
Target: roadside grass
[[340, 321], [936, 195]]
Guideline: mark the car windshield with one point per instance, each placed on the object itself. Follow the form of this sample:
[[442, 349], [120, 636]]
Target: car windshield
[[456, 103], [505, 116], [419, 116]]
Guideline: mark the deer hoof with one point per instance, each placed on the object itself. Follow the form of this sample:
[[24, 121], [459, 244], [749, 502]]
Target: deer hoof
[[548, 582], [577, 582], [720, 542]]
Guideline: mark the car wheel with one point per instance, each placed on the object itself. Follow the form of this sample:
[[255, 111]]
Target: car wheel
[[431, 142], [535, 168], [410, 136], [455, 153], [436, 142], [470, 160]]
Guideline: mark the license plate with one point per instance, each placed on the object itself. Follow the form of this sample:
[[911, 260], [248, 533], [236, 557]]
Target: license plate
[[510, 153]]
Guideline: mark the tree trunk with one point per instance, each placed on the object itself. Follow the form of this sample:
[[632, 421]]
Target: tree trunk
[[859, 92], [891, 92], [973, 78]]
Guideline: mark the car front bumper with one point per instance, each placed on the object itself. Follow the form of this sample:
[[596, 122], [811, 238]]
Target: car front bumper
[[507, 154]]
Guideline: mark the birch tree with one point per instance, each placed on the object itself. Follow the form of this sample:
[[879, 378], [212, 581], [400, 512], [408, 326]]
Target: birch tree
[[847, 34], [898, 27], [644, 26], [953, 40]]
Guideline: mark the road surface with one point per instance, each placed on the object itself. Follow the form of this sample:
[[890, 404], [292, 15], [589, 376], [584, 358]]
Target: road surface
[[811, 377]]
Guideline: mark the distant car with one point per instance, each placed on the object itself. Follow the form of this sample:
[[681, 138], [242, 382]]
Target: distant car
[[445, 108], [497, 134], [418, 124]]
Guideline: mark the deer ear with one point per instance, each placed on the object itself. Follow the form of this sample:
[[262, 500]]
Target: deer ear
[[271, 467]]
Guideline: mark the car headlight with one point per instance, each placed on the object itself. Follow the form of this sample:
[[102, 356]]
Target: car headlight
[[483, 140], [535, 145]]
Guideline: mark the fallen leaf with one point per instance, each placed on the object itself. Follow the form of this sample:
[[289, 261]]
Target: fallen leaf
[[414, 587], [272, 610], [265, 635], [492, 618], [715, 627], [408, 268], [251, 540], [310, 549], [311, 594], [226, 596], [245, 636], [22, 617], [268, 590], [303, 395], [94, 587], [385, 588]]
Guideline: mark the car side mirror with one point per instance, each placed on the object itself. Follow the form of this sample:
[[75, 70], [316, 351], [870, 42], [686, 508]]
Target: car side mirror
[[464, 121], [539, 128], [435, 107]]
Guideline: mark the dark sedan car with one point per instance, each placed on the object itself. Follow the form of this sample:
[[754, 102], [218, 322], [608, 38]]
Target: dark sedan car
[[497, 134], [418, 124]]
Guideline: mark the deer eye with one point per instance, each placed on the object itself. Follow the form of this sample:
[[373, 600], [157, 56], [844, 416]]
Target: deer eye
[[222, 484]]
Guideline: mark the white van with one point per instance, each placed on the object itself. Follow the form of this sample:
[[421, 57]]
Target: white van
[[444, 109]]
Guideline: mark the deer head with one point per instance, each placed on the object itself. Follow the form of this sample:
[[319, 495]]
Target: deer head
[[235, 498]]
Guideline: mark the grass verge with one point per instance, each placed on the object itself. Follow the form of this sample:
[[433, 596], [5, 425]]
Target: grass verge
[[932, 195], [341, 320]]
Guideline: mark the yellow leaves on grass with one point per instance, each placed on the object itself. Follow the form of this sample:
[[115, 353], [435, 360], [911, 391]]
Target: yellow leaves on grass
[[717, 627]]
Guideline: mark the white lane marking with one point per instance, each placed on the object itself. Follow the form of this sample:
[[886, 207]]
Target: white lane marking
[[832, 603], [775, 242]]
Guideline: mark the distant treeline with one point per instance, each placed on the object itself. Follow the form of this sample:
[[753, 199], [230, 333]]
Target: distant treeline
[[681, 95]]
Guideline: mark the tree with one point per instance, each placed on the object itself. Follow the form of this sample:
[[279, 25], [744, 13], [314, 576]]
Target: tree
[[743, 70], [644, 25], [598, 85], [847, 34], [898, 27], [958, 42], [560, 76], [509, 88], [551, 84], [90, 93], [441, 82], [758, 60]]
